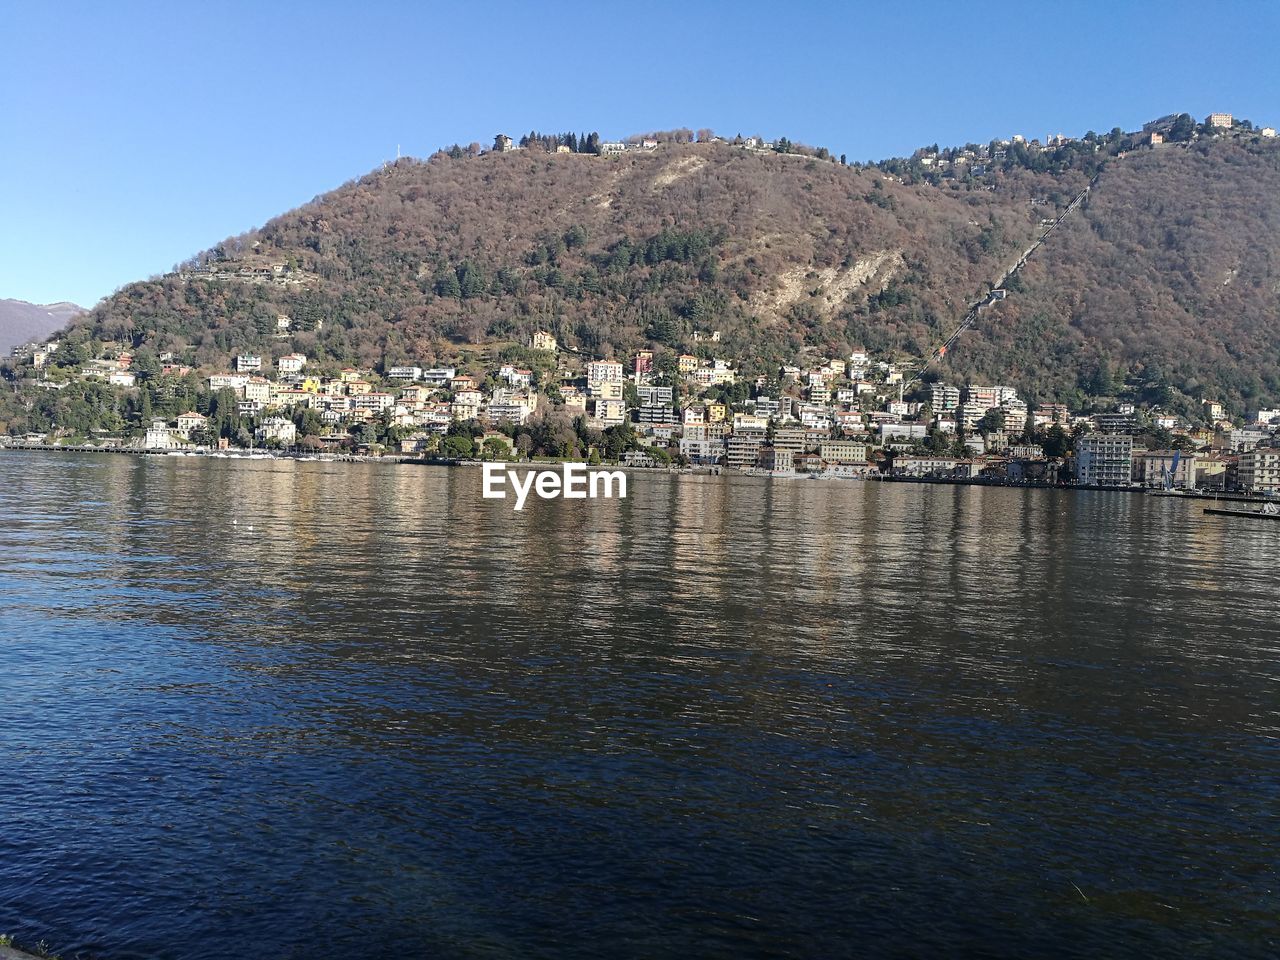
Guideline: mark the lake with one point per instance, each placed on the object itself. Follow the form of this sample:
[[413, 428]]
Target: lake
[[288, 709]]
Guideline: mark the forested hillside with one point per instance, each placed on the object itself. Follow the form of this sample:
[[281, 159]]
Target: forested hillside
[[1167, 280], [778, 251]]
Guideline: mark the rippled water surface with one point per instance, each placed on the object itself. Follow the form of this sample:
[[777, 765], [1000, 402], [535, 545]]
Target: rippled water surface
[[306, 709]]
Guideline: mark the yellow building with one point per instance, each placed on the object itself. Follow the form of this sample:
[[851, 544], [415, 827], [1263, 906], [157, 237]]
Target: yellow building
[[541, 340], [686, 363], [258, 389], [843, 451], [716, 412]]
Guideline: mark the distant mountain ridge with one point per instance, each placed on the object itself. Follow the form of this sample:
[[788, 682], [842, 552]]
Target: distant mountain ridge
[[21, 321]]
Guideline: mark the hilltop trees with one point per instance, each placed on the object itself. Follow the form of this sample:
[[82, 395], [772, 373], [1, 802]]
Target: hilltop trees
[[1183, 129], [550, 142]]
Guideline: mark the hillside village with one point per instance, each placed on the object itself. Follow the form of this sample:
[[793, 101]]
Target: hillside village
[[847, 417], [688, 399]]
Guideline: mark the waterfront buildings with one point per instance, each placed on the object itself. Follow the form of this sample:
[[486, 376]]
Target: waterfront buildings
[[1159, 468], [742, 447], [828, 415], [1104, 460], [1260, 470]]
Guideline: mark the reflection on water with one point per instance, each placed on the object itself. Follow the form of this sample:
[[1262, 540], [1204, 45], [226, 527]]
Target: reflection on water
[[288, 709]]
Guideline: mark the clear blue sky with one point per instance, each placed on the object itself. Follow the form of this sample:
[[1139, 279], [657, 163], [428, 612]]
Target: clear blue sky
[[135, 134]]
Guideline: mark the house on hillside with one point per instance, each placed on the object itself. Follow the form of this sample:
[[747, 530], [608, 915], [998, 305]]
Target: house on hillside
[[159, 436], [291, 363], [280, 429], [405, 373], [190, 421]]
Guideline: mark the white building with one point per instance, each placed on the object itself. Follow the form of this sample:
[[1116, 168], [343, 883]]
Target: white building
[[923, 466], [943, 398], [373, 402], [291, 363], [228, 381], [159, 436], [904, 431], [508, 412], [439, 376], [650, 396], [603, 371], [1104, 460], [1246, 438], [1260, 470], [406, 374], [278, 428]]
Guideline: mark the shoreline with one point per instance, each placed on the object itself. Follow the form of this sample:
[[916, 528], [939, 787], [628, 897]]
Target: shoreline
[[702, 470], [9, 952]]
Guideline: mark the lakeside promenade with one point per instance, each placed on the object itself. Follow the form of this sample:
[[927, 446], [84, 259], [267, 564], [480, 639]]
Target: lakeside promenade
[[1209, 495]]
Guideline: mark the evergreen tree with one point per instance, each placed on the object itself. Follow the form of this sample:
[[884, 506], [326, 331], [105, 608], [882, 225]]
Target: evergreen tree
[[447, 285], [1183, 128], [471, 282]]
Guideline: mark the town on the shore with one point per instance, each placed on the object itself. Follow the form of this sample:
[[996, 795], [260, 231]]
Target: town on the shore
[[855, 416]]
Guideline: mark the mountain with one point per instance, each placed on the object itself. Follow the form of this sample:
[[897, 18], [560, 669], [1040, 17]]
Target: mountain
[[1167, 279], [1163, 285], [21, 321]]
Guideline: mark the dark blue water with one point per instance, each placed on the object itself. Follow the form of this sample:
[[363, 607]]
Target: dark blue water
[[299, 710]]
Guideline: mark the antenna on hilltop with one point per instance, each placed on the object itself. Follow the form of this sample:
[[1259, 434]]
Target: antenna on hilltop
[[397, 151]]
